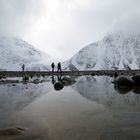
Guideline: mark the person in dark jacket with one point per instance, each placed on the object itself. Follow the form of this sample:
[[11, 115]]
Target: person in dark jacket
[[23, 67], [59, 67], [52, 65]]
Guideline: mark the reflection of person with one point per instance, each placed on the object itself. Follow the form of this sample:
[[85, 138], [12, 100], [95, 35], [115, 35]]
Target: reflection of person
[[61, 82], [23, 67], [53, 81], [59, 77], [59, 67], [52, 65]]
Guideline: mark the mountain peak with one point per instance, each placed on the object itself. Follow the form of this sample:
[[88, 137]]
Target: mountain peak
[[114, 51], [16, 52]]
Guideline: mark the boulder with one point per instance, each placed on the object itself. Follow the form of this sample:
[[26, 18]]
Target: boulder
[[136, 79], [123, 81], [58, 85], [123, 90]]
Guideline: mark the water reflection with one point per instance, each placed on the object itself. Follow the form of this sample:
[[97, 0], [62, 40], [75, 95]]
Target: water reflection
[[126, 84], [127, 89], [123, 90], [90, 108], [62, 81], [93, 88], [100, 89], [136, 90], [14, 98]]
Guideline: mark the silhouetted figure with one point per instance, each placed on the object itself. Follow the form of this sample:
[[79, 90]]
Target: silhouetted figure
[[23, 67], [52, 65], [59, 67]]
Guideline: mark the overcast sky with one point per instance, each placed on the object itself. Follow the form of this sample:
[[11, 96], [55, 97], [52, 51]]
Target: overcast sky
[[63, 27]]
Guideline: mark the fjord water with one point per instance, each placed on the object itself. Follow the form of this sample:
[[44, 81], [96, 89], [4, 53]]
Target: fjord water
[[87, 109]]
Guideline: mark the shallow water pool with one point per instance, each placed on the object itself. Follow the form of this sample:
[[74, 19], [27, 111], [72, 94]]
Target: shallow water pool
[[84, 108]]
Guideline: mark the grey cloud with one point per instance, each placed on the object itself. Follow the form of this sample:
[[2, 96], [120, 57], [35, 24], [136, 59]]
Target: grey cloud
[[71, 24], [16, 16]]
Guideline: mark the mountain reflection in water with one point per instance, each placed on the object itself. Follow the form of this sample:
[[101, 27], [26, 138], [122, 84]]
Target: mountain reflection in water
[[71, 108], [101, 90]]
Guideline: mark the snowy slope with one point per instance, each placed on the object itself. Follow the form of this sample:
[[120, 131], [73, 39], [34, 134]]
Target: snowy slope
[[115, 51], [14, 52]]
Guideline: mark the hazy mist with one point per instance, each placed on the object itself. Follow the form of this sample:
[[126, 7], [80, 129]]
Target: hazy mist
[[62, 27]]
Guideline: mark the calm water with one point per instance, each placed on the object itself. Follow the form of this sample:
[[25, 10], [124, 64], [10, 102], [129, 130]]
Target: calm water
[[86, 108]]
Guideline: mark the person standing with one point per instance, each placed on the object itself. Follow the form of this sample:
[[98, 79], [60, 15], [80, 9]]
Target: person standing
[[23, 67], [59, 67], [52, 65]]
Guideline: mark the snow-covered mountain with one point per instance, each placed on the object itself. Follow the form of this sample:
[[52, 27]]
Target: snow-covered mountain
[[14, 52], [115, 51]]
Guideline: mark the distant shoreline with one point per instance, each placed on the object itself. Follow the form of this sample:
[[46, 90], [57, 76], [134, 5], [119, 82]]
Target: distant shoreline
[[4, 74]]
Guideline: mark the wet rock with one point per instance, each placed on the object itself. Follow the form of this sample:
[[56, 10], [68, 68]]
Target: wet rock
[[67, 81], [36, 81], [58, 85], [136, 79], [25, 78], [12, 131], [136, 90], [123, 81], [116, 75], [123, 90]]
